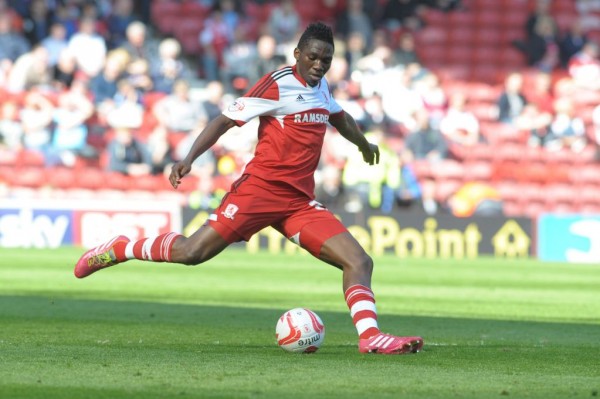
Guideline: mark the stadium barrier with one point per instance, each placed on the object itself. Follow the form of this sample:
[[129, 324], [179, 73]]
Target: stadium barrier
[[560, 238]]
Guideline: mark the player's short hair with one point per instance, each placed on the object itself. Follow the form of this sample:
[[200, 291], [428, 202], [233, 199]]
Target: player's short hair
[[318, 31]]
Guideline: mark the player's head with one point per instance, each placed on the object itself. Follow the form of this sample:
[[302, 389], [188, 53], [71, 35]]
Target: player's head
[[314, 52]]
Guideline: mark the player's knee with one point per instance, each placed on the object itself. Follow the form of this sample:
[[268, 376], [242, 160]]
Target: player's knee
[[361, 262], [366, 263]]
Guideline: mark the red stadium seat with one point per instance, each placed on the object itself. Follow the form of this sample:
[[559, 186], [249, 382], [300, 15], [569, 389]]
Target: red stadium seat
[[488, 36], [62, 178], [90, 178], [478, 171], [31, 176], [487, 18]]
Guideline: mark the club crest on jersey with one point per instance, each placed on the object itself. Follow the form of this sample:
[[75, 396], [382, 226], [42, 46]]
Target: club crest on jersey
[[230, 211], [311, 117], [237, 105]]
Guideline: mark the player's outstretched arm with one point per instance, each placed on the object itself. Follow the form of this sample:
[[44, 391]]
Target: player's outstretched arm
[[206, 139], [346, 125]]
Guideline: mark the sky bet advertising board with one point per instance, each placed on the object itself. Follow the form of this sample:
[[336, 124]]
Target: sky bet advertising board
[[87, 223]]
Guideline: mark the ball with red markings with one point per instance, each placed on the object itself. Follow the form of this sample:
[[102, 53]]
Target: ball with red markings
[[300, 330]]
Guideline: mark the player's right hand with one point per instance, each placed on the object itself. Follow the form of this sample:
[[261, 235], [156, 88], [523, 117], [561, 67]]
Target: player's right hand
[[178, 170]]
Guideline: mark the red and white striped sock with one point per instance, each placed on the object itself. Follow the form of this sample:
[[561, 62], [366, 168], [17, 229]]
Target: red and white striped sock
[[154, 249], [361, 301]]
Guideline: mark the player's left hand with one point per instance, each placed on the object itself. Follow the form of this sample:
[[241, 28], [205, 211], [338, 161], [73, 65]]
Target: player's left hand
[[371, 154]]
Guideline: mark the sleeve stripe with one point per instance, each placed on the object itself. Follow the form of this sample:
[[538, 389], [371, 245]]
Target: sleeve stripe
[[263, 86], [267, 81]]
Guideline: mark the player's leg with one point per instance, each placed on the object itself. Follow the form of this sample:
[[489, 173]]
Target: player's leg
[[357, 266], [204, 244], [325, 237]]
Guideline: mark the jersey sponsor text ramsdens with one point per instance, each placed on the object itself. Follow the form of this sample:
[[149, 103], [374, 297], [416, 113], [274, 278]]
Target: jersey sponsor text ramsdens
[[311, 117]]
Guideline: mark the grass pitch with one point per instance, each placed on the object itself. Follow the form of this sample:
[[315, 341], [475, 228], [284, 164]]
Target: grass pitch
[[492, 328]]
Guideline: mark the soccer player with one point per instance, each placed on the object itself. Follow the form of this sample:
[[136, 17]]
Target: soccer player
[[294, 105]]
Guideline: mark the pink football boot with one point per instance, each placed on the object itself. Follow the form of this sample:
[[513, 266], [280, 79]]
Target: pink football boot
[[390, 345], [98, 258]]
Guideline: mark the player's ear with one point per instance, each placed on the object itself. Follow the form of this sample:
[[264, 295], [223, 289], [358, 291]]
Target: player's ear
[[297, 54]]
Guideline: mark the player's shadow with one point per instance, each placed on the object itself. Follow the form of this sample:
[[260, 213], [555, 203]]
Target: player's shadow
[[208, 324]]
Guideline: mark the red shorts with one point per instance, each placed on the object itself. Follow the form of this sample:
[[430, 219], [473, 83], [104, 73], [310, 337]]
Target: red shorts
[[253, 204]]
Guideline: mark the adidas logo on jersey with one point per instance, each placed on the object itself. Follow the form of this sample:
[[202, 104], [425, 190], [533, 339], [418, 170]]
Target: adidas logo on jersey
[[300, 98]]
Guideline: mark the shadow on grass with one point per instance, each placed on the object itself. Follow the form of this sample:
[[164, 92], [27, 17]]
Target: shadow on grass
[[64, 347], [438, 331]]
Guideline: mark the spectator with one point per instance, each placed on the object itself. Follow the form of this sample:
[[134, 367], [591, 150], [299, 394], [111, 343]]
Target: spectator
[[268, 58], [541, 48], [373, 106], [214, 39], [444, 5], [584, 67], [36, 117], [405, 54], [126, 109], [213, 102], [433, 97], [459, 125], [400, 100], [178, 112], [30, 70], [230, 14], [68, 16], [511, 102], [284, 22], [567, 129], [236, 58], [128, 155], [541, 10], [11, 130], [356, 49], [14, 13], [160, 150], [572, 42], [55, 43], [69, 138], [351, 105], [329, 189], [91, 10], [168, 68], [138, 74], [88, 48], [375, 186], [104, 85], [63, 73], [355, 22], [137, 44], [118, 21], [36, 25], [405, 14], [12, 45], [534, 123], [425, 142], [410, 190], [542, 92]]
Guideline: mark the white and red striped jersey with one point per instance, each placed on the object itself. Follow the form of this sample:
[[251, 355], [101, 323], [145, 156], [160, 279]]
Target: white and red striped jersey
[[293, 119]]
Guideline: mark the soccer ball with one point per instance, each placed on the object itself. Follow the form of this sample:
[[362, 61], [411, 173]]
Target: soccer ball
[[300, 330]]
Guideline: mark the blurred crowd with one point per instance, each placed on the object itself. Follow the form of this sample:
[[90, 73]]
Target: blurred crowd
[[95, 84]]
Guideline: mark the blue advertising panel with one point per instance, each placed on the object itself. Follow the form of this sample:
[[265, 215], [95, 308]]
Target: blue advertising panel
[[569, 238], [28, 227]]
